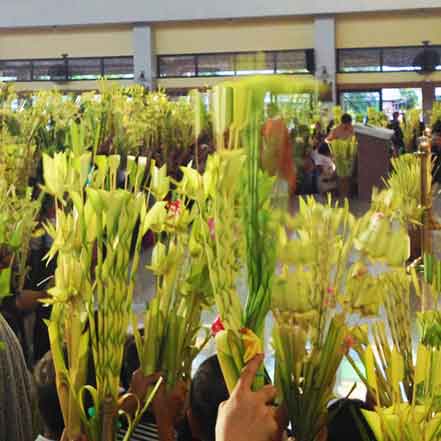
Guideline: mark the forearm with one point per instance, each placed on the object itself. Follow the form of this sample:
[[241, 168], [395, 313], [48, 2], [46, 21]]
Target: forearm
[[166, 430], [28, 300]]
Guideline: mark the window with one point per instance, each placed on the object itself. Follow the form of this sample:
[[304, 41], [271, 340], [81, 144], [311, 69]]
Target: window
[[177, 66], [254, 63], [438, 93], [49, 70], [359, 60], [69, 69], [400, 59], [383, 59], [388, 100], [118, 68], [215, 65], [400, 100], [15, 70], [291, 62], [84, 68], [358, 102], [232, 64]]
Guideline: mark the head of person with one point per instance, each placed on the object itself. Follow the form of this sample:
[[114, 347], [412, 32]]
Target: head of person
[[272, 110], [208, 390], [396, 116], [324, 149], [48, 402], [346, 421], [346, 119]]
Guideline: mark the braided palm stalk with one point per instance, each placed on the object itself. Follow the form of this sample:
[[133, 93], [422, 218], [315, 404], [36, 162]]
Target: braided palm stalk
[[94, 283]]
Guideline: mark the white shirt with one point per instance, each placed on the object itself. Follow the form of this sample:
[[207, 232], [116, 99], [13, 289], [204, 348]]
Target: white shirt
[[43, 438], [325, 162]]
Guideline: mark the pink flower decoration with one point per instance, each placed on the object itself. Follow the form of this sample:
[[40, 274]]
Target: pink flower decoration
[[348, 343], [174, 207], [331, 290], [217, 326], [377, 216], [211, 227]]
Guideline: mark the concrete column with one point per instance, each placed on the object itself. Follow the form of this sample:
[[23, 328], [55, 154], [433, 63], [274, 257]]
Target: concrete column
[[144, 56], [325, 51]]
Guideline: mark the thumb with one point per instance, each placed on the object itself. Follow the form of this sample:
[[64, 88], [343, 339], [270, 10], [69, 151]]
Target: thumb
[[249, 374]]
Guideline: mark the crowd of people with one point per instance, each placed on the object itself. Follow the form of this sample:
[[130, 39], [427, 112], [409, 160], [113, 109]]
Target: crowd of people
[[202, 410], [317, 165]]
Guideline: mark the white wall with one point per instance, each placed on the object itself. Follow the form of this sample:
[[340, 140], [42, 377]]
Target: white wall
[[28, 13]]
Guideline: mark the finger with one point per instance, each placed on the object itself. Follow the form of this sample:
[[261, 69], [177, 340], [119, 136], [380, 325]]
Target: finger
[[267, 394], [222, 405], [249, 373], [282, 416], [150, 379]]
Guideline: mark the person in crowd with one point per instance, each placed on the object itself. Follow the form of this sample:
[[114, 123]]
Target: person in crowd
[[317, 133], [436, 152], [277, 155], [48, 402], [23, 310], [167, 408], [343, 131], [207, 391], [326, 179], [398, 138], [249, 415], [329, 127], [17, 397], [347, 421]]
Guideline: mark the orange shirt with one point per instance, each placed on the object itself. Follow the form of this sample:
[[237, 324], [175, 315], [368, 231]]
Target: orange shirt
[[277, 151]]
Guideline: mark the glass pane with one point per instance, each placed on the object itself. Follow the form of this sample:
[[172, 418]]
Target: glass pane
[[399, 100], [291, 62], [400, 59], [15, 70], [49, 70], [359, 60], [357, 103], [438, 49], [177, 66], [438, 93], [216, 65], [119, 68], [254, 63], [84, 68]]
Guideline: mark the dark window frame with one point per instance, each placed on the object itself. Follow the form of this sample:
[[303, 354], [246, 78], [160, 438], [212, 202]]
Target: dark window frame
[[381, 50], [234, 55], [34, 61]]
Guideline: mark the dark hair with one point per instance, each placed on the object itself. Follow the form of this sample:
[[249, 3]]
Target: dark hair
[[436, 128], [324, 149], [208, 390], [396, 115], [330, 126], [346, 118], [130, 362], [48, 402], [346, 421]]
